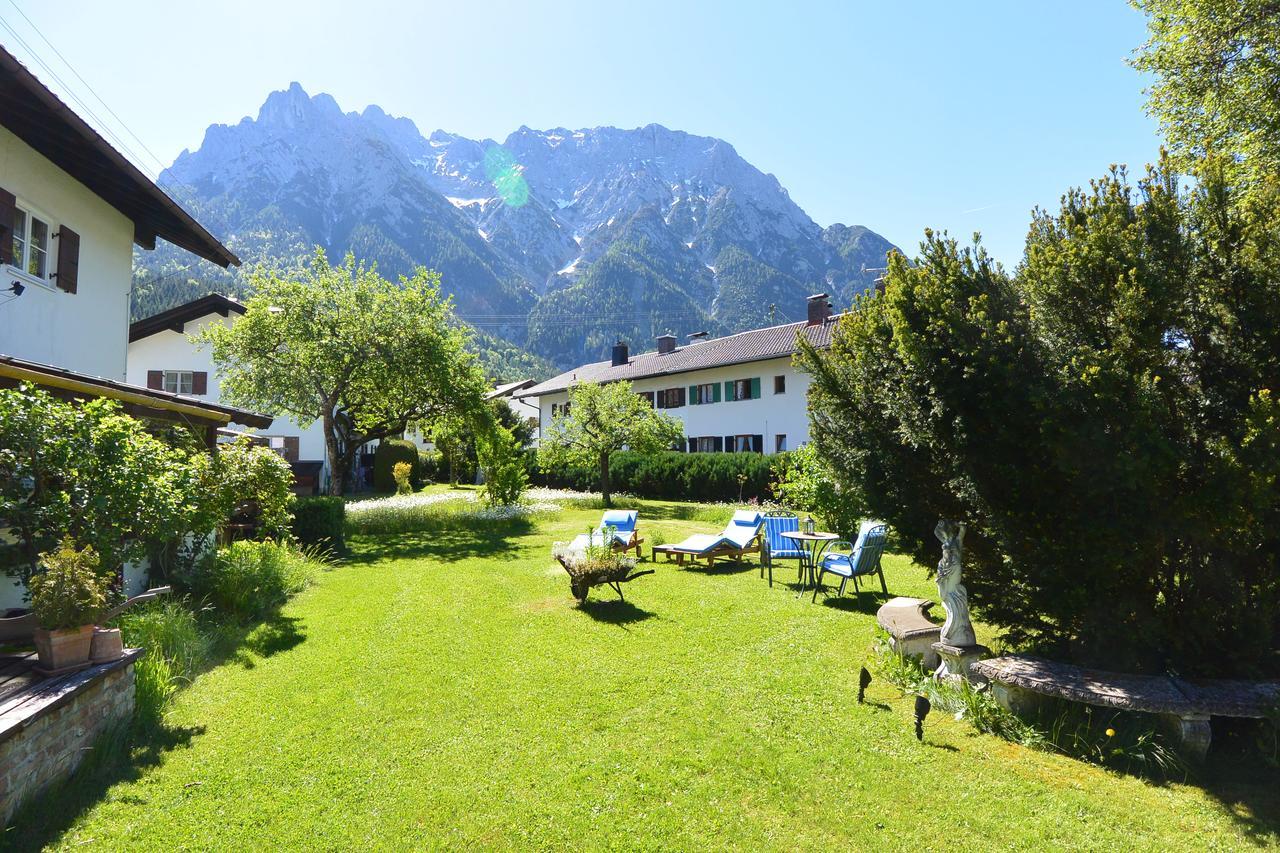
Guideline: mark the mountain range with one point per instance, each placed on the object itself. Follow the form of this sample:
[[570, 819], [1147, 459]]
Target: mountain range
[[553, 242]]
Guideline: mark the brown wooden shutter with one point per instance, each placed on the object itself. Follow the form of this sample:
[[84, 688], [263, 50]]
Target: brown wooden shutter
[[8, 212], [291, 448], [155, 379], [68, 273], [199, 382]]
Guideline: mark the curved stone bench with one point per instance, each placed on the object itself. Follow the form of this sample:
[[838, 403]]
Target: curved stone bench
[[1184, 705], [911, 631]]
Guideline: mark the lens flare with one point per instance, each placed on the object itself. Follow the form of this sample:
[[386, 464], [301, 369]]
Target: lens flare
[[506, 175]]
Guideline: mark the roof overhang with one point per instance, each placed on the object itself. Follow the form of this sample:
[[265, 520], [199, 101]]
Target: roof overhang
[[176, 319], [143, 402], [40, 119]]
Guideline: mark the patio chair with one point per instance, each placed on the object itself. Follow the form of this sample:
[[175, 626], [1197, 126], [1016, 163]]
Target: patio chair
[[779, 547], [855, 560], [617, 529], [741, 536]]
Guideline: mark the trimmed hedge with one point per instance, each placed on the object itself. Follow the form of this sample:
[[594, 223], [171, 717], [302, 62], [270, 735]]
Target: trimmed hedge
[[677, 476], [389, 452], [320, 521]]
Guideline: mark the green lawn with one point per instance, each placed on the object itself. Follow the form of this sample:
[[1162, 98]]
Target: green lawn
[[444, 691]]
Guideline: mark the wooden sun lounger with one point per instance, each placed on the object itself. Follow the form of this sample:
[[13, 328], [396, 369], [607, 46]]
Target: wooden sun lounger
[[724, 552]]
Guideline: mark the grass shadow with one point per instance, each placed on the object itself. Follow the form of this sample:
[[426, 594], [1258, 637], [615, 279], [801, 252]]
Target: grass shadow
[[615, 612], [121, 754], [860, 602], [448, 545], [1236, 776], [725, 568], [275, 634]]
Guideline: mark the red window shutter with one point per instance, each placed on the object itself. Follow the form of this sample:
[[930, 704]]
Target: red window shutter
[[68, 273], [155, 379], [8, 212], [199, 382]]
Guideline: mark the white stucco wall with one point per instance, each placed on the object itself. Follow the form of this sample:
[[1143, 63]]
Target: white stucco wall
[[169, 350], [86, 331], [770, 415]]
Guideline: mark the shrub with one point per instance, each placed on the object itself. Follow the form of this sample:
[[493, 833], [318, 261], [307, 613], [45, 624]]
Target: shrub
[[69, 592], [672, 475], [250, 579], [320, 521], [804, 484], [428, 470], [402, 473], [257, 481], [389, 452], [505, 467]]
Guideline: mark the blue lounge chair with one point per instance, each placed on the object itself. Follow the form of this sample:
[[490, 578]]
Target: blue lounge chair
[[779, 547], [617, 529], [741, 536], [858, 559]]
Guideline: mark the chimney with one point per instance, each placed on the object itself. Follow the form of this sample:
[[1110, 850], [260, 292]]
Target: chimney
[[697, 337], [819, 309], [666, 344], [620, 354]]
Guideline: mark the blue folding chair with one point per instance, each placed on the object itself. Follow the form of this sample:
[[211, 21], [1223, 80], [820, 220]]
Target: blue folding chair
[[849, 560], [777, 546]]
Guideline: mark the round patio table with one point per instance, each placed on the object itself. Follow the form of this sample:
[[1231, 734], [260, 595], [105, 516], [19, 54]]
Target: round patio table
[[811, 546]]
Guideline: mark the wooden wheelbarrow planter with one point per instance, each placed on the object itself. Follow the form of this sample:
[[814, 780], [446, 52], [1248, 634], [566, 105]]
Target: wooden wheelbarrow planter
[[580, 581]]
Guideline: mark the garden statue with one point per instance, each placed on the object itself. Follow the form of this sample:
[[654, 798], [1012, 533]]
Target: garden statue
[[957, 647], [957, 630]]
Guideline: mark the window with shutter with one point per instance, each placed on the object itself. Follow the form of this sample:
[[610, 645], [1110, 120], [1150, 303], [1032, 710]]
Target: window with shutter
[[729, 446], [155, 380], [755, 388], [757, 444], [199, 383], [68, 274]]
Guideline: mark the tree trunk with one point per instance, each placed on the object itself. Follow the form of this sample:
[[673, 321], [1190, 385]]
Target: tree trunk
[[604, 479], [336, 469]]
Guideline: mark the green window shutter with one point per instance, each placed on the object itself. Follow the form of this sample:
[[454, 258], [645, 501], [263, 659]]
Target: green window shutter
[[728, 390], [715, 393], [693, 395], [755, 388]]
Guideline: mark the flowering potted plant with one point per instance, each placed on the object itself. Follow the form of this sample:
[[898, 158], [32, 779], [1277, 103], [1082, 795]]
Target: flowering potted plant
[[67, 596]]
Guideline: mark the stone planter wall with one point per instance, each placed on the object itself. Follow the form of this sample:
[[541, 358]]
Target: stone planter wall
[[44, 739]]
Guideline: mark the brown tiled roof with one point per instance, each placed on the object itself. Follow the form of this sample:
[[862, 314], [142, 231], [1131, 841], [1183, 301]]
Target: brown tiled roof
[[742, 348]]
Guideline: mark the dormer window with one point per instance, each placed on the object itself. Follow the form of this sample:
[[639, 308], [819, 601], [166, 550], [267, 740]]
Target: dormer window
[[31, 236]]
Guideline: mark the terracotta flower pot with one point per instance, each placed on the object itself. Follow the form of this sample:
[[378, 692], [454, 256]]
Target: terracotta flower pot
[[107, 646], [65, 650]]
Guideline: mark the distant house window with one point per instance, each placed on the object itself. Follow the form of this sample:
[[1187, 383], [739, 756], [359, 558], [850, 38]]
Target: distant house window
[[706, 393], [671, 398], [647, 396], [179, 381], [780, 386], [706, 444], [559, 410], [31, 244], [742, 444], [779, 441], [742, 389]]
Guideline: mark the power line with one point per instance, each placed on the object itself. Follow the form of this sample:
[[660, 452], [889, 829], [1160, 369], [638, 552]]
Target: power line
[[92, 91]]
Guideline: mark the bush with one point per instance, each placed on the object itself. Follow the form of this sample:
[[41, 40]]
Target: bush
[[257, 482], [402, 473], [505, 467], [175, 650], [321, 522], [672, 475], [69, 592], [389, 452], [804, 484], [250, 579], [428, 470]]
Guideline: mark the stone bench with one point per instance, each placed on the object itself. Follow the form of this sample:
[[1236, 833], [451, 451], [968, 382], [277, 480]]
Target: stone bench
[[911, 631], [1184, 705]]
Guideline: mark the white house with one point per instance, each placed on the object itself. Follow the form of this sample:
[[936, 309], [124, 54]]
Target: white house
[[526, 408], [71, 210], [740, 393], [163, 356]]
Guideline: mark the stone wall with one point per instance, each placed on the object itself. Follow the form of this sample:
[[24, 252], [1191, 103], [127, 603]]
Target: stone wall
[[51, 744]]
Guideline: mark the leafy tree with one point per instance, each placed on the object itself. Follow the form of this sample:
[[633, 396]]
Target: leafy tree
[[1104, 418], [502, 458], [91, 474], [1216, 64], [602, 420], [344, 346]]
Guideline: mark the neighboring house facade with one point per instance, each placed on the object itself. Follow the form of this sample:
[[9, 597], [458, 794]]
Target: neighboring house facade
[[163, 356], [71, 210], [740, 393], [526, 408]]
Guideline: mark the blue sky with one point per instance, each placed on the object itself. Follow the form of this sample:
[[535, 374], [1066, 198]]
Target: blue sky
[[897, 116]]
